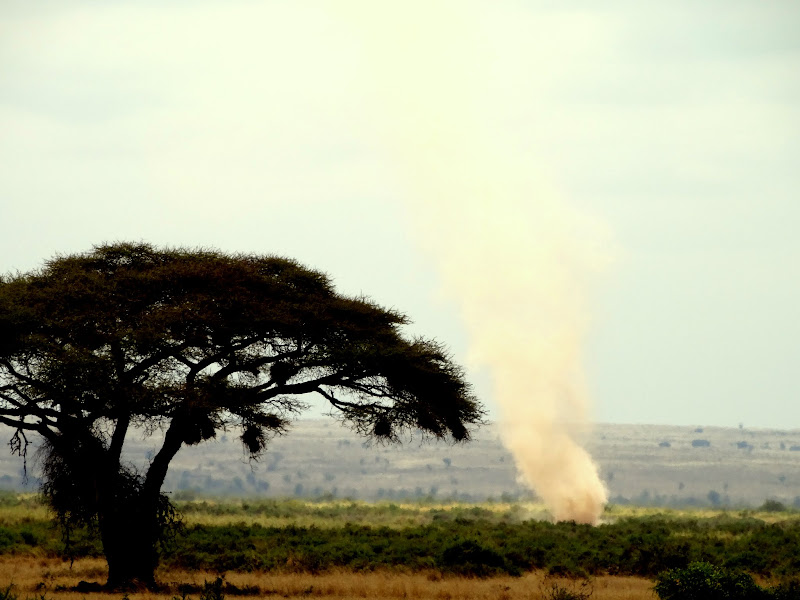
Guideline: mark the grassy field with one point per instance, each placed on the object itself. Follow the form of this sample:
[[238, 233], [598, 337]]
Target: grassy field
[[335, 513], [345, 549], [52, 578]]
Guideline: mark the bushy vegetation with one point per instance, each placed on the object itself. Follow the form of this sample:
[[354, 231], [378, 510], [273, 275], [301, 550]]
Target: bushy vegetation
[[704, 581], [480, 547], [471, 540]]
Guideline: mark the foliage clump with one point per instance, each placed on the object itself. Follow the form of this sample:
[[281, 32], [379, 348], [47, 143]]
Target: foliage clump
[[470, 558], [771, 505], [705, 581]]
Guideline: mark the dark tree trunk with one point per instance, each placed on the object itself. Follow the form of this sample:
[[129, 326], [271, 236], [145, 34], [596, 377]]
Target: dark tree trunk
[[86, 484], [130, 544], [129, 530], [132, 522]]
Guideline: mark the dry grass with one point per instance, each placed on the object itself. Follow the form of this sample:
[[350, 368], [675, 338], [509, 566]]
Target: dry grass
[[24, 513], [34, 577], [616, 512], [414, 514], [336, 513], [409, 513]]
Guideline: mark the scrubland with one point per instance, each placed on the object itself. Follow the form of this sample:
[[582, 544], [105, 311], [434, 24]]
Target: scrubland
[[54, 578], [347, 549]]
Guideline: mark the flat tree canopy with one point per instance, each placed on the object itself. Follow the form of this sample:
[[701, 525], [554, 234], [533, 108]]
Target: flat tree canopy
[[191, 342]]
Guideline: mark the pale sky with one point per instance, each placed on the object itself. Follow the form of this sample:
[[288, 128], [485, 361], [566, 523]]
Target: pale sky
[[295, 128]]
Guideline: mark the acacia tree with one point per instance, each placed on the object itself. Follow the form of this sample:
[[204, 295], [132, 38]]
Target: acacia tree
[[191, 342]]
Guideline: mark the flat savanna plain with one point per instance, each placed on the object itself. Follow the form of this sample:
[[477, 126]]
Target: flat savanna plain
[[640, 464], [345, 549], [324, 514], [655, 465]]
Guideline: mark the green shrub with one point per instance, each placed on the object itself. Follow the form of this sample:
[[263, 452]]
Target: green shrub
[[467, 557], [704, 581], [772, 506], [788, 590], [29, 537], [7, 539]]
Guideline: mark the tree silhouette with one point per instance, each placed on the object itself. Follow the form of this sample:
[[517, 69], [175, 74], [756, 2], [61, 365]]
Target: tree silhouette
[[191, 342]]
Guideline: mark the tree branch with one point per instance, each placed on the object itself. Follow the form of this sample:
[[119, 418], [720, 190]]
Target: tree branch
[[27, 379], [25, 402], [173, 440], [304, 387], [226, 353], [154, 359], [37, 427], [344, 405], [22, 410], [118, 437], [250, 366]]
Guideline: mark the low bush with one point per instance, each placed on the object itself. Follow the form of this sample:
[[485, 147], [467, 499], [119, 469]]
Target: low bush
[[559, 590], [469, 558], [704, 581], [465, 539]]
